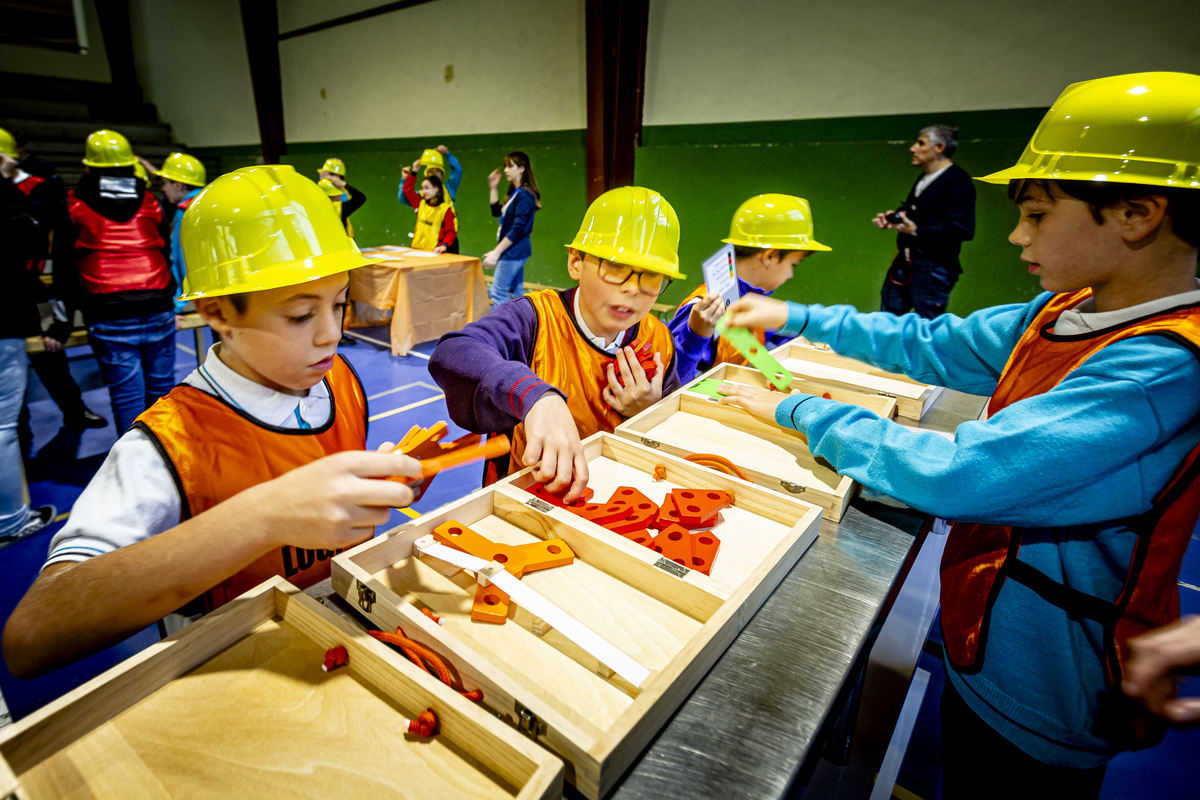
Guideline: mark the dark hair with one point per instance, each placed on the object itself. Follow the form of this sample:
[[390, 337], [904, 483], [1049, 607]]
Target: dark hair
[[519, 159], [1183, 205], [946, 134], [436, 182], [239, 301], [749, 252], [112, 172]]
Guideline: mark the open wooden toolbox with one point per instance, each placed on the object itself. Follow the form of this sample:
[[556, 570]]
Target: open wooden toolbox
[[673, 621], [237, 705], [819, 365], [685, 423]]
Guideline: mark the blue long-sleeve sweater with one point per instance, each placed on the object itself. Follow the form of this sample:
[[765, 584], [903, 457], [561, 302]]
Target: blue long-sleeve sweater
[[695, 354], [1068, 465], [516, 223], [177, 266], [451, 183]]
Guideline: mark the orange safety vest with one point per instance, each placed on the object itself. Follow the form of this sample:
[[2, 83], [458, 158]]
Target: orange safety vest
[[565, 359], [214, 451], [120, 256], [979, 558], [724, 352]]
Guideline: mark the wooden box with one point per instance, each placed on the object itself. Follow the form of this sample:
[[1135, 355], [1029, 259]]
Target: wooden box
[[820, 365], [237, 705], [685, 423], [673, 621]]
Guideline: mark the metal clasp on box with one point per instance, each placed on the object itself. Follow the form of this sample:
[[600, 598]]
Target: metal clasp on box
[[646, 440], [667, 565], [540, 505], [366, 598], [794, 488], [885, 394], [528, 721]]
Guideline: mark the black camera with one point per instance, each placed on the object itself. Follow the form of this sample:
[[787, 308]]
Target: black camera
[[893, 218]]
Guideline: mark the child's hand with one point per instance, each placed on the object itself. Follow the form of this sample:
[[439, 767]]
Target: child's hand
[[441, 248], [1157, 661], [494, 178], [638, 393], [441, 148], [335, 501], [416, 167], [705, 313], [553, 445], [337, 181], [759, 402], [404, 173], [756, 311]]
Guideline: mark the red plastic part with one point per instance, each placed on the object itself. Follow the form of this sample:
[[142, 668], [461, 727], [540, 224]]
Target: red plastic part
[[642, 537], [641, 510], [425, 725], [699, 507], [704, 550], [674, 543], [335, 657], [540, 491]]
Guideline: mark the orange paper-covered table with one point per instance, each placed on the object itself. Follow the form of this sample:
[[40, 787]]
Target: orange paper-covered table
[[420, 296]]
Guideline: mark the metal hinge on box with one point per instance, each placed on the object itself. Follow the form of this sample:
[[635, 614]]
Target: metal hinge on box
[[667, 565], [366, 598], [540, 505], [649, 442], [794, 488], [885, 394], [528, 721]]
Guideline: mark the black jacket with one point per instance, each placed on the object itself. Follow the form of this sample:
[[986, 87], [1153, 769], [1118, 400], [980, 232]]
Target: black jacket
[[944, 214], [21, 238], [353, 203]]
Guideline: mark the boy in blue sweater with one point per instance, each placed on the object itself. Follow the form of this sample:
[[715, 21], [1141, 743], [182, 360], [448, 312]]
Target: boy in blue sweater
[[1075, 499]]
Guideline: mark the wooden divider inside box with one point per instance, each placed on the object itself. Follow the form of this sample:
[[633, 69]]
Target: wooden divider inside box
[[673, 621], [684, 423], [237, 705], [820, 365]]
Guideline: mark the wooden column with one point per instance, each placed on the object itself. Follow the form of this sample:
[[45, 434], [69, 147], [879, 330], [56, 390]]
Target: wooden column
[[260, 20], [616, 77]]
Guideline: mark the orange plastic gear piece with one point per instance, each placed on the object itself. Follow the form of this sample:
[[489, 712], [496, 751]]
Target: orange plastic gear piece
[[425, 725], [491, 604], [704, 550], [641, 511], [697, 508], [674, 544], [540, 491], [335, 657]]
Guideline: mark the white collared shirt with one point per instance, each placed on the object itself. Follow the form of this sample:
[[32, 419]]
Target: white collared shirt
[[133, 496], [611, 349], [924, 181], [1084, 319]]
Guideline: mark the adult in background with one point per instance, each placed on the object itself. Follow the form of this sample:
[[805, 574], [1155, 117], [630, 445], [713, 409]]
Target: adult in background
[[512, 249], [935, 219]]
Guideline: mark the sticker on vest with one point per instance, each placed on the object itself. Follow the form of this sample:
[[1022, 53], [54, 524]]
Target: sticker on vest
[[118, 188]]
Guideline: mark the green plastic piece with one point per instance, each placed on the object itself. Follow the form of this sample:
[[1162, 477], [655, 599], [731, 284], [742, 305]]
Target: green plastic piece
[[707, 387], [757, 354]]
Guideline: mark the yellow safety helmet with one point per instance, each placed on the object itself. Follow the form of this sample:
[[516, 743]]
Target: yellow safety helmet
[[634, 226], [778, 221], [434, 158], [183, 168], [139, 171], [335, 166], [8, 144], [1141, 128], [329, 188], [262, 228], [105, 148]]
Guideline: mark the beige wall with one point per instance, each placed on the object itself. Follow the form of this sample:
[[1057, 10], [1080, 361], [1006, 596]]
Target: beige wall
[[51, 63], [191, 61], [728, 60], [519, 65]]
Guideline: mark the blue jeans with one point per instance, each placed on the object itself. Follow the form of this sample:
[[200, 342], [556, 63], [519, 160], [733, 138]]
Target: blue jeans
[[508, 282], [14, 367], [137, 360], [920, 285]]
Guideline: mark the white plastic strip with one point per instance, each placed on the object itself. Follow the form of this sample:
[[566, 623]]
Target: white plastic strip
[[603, 650]]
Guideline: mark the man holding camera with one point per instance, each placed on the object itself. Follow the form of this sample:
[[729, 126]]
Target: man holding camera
[[935, 219]]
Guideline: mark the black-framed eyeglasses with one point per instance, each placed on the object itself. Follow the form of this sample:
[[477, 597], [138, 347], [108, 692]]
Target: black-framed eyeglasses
[[649, 283]]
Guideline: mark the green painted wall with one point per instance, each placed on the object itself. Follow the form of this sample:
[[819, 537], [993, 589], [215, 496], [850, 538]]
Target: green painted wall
[[848, 168]]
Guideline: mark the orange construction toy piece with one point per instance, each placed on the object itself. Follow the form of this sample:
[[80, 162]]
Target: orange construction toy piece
[[425, 445], [660, 473], [704, 550], [491, 604], [696, 508], [642, 511], [674, 542], [540, 491], [645, 357]]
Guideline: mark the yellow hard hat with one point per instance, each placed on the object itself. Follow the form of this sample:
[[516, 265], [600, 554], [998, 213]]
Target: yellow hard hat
[[8, 144], [778, 221], [139, 171], [107, 148], [329, 188], [336, 166], [1140, 128], [183, 168], [634, 226], [262, 228], [434, 158]]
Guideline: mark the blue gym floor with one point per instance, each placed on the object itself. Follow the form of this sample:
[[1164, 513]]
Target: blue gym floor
[[401, 394]]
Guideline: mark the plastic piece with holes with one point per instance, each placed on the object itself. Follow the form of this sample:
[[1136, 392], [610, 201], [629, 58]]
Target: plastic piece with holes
[[674, 543], [699, 507], [756, 353], [704, 550], [641, 511], [540, 491]]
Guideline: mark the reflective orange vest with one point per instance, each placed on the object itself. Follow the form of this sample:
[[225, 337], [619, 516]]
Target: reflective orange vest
[[724, 352], [120, 256], [979, 558], [564, 358], [215, 451]]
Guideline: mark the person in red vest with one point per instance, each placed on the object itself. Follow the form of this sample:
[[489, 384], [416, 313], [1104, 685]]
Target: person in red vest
[[1076, 498], [113, 260], [254, 466]]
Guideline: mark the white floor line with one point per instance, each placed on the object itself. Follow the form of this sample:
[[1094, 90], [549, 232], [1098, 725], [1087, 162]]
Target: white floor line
[[1189, 586], [382, 343], [418, 355], [402, 388], [185, 349], [426, 401]]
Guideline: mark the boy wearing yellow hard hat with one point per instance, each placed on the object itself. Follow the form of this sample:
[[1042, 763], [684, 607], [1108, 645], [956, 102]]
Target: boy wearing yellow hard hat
[[183, 177], [254, 466], [346, 199], [557, 366], [1080, 490], [770, 234]]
